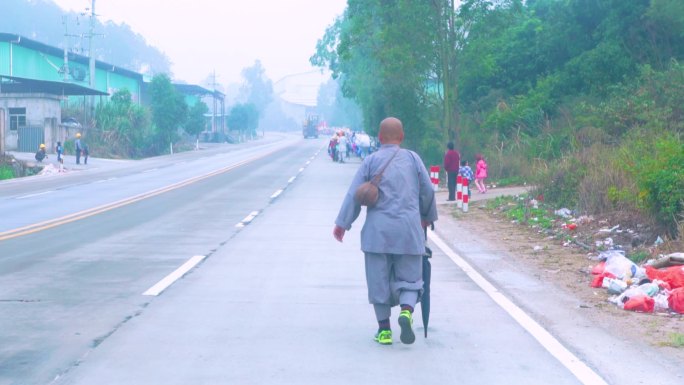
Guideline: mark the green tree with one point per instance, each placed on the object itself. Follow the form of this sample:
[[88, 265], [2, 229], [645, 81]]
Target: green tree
[[197, 122], [243, 117], [382, 67], [169, 110]]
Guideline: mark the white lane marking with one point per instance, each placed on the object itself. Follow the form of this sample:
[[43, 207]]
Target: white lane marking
[[35, 195], [308, 162], [291, 179], [275, 194], [150, 170], [301, 170], [250, 217], [578, 368], [103, 180], [173, 277]]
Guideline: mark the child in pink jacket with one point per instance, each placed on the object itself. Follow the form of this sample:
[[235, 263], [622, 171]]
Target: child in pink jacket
[[480, 173]]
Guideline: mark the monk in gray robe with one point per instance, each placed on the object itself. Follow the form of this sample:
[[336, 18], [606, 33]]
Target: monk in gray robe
[[392, 237]]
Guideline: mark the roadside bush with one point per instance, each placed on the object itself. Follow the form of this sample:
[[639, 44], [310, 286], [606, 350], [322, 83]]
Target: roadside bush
[[559, 182], [656, 162]]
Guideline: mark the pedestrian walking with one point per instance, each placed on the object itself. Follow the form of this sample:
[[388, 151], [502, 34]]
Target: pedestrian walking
[[480, 173], [452, 162], [86, 152], [466, 174], [342, 147], [60, 153], [392, 237], [77, 145]]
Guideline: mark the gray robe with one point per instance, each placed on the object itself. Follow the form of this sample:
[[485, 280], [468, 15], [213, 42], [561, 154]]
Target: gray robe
[[406, 196]]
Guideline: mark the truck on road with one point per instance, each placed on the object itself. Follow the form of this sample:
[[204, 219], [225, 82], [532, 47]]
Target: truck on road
[[310, 127]]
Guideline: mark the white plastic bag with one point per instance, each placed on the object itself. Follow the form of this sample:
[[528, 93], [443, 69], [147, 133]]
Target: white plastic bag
[[618, 265]]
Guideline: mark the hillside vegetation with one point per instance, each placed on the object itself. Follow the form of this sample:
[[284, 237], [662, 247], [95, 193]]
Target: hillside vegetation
[[581, 97]]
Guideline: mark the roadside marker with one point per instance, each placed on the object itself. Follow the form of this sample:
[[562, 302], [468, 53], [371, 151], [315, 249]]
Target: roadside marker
[[173, 277], [578, 368]]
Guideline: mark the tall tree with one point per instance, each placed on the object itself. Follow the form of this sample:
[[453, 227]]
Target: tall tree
[[197, 121], [257, 88], [169, 110], [383, 67]]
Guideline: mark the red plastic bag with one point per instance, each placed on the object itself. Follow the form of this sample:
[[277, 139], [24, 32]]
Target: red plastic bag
[[642, 303], [598, 269], [673, 275], [598, 280], [676, 300]]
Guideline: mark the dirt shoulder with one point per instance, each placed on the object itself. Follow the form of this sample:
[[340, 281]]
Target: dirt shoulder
[[560, 266]]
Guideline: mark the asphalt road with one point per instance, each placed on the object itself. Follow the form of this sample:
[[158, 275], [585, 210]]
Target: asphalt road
[[273, 297]]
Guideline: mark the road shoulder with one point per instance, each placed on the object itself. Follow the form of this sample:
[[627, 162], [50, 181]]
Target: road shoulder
[[552, 285]]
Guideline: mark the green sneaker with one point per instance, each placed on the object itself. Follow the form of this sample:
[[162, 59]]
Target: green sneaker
[[384, 337], [406, 323]]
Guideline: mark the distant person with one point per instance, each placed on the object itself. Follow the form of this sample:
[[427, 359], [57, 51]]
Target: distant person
[[77, 145], [480, 173], [40, 154], [342, 147], [332, 148], [452, 162], [392, 237], [466, 174], [363, 142], [60, 153], [86, 152]]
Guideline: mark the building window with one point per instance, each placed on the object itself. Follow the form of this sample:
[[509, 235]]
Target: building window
[[17, 118]]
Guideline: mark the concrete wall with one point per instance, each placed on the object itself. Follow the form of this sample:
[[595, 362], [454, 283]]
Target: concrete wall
[[41, 110]]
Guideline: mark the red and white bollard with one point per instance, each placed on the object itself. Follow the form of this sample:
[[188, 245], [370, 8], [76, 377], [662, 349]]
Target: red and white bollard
[[434, 177], [459, 191], [465, 198]]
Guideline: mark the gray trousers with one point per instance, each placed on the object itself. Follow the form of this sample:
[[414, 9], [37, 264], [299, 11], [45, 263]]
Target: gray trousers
[[393, 279]]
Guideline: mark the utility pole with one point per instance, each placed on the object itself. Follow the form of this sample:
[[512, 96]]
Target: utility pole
[[91, 33]]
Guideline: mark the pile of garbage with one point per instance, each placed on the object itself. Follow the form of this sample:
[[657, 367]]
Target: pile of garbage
[[657, 286], [50, 169]]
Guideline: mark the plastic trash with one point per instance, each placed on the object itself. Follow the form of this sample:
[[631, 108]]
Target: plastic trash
[[564, 212], [650, 289], [676, 300], [618, 265], [661, 302], [614, 286], [641, 303], [598, 269], [673, 276], [598, 280]]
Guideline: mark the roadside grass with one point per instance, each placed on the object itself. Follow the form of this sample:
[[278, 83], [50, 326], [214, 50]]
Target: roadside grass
[[639, 256], [519, 209], [6, 172], [676, 341]]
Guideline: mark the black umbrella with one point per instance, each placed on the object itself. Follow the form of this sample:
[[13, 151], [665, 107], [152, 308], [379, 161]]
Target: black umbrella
[[425, 298]]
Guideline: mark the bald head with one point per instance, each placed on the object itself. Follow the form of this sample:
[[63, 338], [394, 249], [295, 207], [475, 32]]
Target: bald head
[[391, 131]]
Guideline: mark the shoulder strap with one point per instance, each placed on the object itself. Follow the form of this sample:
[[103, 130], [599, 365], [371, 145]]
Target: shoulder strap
[[376, 178]]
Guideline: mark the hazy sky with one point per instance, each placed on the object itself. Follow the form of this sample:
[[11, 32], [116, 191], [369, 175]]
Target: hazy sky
[[200, 36]]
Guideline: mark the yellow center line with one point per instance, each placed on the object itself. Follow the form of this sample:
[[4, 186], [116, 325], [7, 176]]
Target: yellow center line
[[36, 227]]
